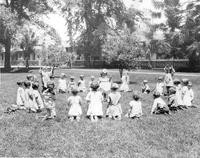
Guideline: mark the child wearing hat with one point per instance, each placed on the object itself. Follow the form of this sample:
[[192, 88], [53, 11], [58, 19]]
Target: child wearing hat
[[145, 87], [71, 84], [49, 101], [114, 110], [37, 99], [159, 105], [94, 99], [62, 84], [179, 97], [135, 107], [188, 95], [81, 84], [125, 82], [160, 85], [75, 103]]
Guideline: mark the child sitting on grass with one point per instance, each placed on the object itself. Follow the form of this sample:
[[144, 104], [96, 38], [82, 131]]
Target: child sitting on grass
[[185, 93], [172, 100], [38, 102], [81, 84], [159, 105], [179, 98], [188, 95], [29, 103], [49, 101], [114, 110], [135, 107], [62, 84], [145, 87], [94, 99], [74, 102]]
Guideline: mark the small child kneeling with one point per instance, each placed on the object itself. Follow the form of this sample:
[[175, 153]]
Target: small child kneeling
[[159, 105]]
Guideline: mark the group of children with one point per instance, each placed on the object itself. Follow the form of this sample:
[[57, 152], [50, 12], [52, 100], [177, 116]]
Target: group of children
[[179, 95]]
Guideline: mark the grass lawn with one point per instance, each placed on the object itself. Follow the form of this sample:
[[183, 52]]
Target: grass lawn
[[22, 135]]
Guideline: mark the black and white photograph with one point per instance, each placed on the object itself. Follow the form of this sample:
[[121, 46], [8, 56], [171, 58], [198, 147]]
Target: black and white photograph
[[100, 78]]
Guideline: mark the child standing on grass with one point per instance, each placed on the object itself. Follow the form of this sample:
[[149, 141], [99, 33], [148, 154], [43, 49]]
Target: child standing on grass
[[94, 99], [49, 101], [145, 87], [29, 103], [92, 79], [188, 95], [125, 82], [71, 84], [179, 98], [74, 102], [38, 102], [62, 84], [159, 105], [185, 82], [114, 110], [135, 107], [160, 86], [168, 81], [81, 84]]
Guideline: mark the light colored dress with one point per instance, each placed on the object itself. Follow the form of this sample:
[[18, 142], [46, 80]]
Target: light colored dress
[[179, 95], [104, 83], [37, 99], [45, 77], [29, 100], [114, 108], [125, 83], [136, 108], [168, 80], [62, 84], [75, 106], [188, 96], [20, 96], [160, 88], [81, 86], [71, 85], [95, 103]]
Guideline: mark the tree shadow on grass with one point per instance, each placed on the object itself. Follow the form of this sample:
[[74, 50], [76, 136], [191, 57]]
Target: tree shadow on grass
[[16, 70], [119, 82]]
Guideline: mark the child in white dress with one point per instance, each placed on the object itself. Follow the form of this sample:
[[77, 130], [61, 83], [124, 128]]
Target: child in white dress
[[168, 81], [95, 99], [62, 84], [145, 87], [20, 96], [160, 86], [125, 82], [188, 95], [71, 84], [135, 107], [114, 110], [159, 105], [37, 99], [179, 97], [49, 101], [81, 84], [29, 102], [74, 102], [92, 79]]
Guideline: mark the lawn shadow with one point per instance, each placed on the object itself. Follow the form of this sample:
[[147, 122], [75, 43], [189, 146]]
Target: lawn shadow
[[131, 82]]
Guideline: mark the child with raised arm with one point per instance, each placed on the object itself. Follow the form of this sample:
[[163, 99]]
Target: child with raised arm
[[159, 105], [135, 107], [114, 110], [75, 103], [145, 87], [125, 82], [49, 101], [94, 99], [62, 84], [81, 84]]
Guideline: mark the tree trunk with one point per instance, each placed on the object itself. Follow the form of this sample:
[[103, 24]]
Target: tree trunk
[[7, 64], [27, 58], [121, 72]]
